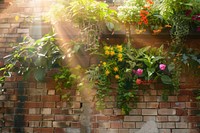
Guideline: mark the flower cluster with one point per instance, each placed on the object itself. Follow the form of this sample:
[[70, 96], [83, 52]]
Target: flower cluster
[[131, 68]]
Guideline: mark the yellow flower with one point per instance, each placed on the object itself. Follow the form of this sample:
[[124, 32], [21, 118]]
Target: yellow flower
[[107, 72], [112, 53], [106, 48], [104, 64], [120, 55], [115, 69], [119, 48], [120, 59], [117, 76], [107, 52]]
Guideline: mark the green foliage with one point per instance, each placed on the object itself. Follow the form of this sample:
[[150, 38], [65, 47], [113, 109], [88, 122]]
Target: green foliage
[[131, 68], [33, 57], [90, 16], [65, 80]]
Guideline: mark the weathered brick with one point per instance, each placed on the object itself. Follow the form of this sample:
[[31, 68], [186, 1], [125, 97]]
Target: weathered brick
[[161, 118], [135, 112], [149, 112], [141, 105], [149, 118], [5, 26], [104, 124], [75, 124], [22, 30], [164, 130], [47, 123], [181, 125], [128, 124], [166, 111], [139, 124], [34, 111], [168, 125], [108, 112], [116, 124], [61, 124], [173, 118], [46, 111], [132, 118], [123, 131], [150, 98], [152, 104], [51, 92]]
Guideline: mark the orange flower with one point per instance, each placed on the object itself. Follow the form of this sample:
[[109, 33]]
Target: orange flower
[[117, 76], [149, 1]]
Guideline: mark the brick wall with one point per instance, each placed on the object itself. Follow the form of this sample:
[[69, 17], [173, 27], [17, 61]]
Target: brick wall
[[34, 107]]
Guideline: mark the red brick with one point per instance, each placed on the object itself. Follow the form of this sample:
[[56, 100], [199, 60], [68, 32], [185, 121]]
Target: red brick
[[164, 105], [191, 104], [183, 98], [103, 118], [181, 112], [75, 124], [55, 98], [33, 104], [193, 118], [33, 118], [172, 98], [43, 130], [116, 117], [48, 117], [49, 105], [178, 105], [59, 130], [116, 124]]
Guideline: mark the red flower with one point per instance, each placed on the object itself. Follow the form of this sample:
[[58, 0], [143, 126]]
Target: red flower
[[138, 81]]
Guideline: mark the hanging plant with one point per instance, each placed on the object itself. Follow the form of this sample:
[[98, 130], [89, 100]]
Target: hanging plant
[[33, 57], [131, 68]]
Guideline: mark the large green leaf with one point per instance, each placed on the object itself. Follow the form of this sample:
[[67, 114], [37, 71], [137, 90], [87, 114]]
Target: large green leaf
[[166, 79]]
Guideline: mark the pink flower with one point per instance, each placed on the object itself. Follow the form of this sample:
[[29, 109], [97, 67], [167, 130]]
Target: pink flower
[[139, 72], [138, 81], [162, 67]]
